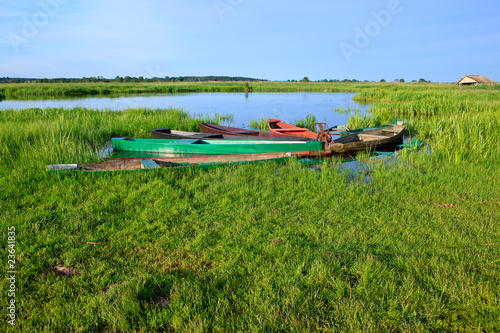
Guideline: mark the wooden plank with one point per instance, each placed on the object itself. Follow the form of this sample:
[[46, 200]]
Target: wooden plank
[[290, 129], [372, 136], [51, 167], [150, 164]]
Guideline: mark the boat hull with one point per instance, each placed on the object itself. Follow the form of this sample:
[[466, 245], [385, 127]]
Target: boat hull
[[212, 147], [278, 127], [165, 133], [219, 129], [368, 139]]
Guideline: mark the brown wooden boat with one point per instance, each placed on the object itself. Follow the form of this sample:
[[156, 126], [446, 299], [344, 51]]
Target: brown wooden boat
[[256, 135], [279, 127], [372, 139], [166, 133], [172, 162]]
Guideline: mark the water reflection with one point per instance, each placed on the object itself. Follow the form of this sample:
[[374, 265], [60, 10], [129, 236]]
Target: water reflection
[[287, 107]]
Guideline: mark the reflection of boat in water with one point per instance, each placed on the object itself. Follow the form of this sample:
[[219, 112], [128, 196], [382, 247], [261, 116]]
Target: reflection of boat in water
[[368, 139]]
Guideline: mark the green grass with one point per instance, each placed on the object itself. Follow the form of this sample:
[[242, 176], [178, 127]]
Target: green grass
[[33, 90], [411, 245], [308, 122], [31, 138], [262, 124], [368, 91]]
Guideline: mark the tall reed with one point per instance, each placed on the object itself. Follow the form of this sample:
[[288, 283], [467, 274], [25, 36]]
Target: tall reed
[[33, 137]]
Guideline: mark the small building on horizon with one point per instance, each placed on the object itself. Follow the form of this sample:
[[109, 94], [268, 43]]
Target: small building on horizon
[[469, 80]]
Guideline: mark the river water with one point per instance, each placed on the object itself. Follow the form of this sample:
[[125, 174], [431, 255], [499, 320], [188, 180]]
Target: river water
[[287, 107]]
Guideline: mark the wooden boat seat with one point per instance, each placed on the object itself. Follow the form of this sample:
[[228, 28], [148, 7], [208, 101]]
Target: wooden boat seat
[[390, 131], [291, 130], [372, 136]]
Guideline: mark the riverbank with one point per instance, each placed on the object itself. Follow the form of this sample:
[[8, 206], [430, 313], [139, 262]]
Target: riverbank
[[411, 245], [31, 90]]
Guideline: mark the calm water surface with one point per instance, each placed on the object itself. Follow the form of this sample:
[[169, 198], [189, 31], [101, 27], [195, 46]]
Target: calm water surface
[[287, 107]]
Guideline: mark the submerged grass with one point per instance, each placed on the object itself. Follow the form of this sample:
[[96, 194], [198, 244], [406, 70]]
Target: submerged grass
[[264, 247]]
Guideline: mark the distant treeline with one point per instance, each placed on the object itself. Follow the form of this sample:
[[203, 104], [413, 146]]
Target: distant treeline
[[140, 79], [132, 79]]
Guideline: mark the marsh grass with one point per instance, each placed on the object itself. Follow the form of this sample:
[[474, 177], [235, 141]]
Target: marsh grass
[[32, 138], [262, 124], [308, 122], [461, 123], [24, 90], [259, 124], [262, 247]]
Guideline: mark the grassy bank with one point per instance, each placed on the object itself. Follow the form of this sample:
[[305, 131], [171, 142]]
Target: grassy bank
[[30, 90], [459, 123], [34, 90], [409, 245]]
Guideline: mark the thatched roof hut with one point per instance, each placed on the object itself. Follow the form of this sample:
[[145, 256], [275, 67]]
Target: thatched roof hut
[[473, 80]]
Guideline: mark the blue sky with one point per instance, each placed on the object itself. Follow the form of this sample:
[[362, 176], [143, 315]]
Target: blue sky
[[275, 40]]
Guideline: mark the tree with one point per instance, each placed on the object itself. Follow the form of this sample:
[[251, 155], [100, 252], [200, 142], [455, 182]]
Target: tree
[[382, 80], [305, 79], [402, 80]]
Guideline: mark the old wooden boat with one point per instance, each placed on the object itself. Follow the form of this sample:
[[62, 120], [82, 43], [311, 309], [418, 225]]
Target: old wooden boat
[[371, 139], [278, 127], [219, 129], [170, 162], [213, 147], [166, 133]]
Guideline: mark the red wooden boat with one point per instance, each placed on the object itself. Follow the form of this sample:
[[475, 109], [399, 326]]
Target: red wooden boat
[[257, 135], [278, 127]]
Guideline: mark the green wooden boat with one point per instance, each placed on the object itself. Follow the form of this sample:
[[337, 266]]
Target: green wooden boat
[[213, 147]]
